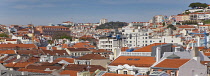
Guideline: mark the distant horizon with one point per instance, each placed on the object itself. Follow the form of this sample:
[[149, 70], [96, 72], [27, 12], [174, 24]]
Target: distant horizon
[[44, 12]]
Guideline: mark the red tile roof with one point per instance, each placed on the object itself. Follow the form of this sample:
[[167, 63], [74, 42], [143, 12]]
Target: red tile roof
[[19, 65], [78, 49], [114, 74], [138, 61], [7, 52], [91, 56], [172, 63], [77, 67], [69, 72], [35, 70], [70, 60], [148, 48], [83, 45], [18, 45]]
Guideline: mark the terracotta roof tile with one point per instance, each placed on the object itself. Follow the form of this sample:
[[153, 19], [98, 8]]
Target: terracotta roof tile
[[91, 56], [35, 70], [70, 60], [138, 61], [69, 72], [124, 48], [114, 74], [78, 49], [172, 63], [19, 65], [55, 52], [83, 45], [7, 52], [77, 67], [148, 48], [18, 45]]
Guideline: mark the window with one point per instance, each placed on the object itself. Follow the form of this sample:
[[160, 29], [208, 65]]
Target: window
[[173, 73], [136, 71], [160, 41], [125, 72]]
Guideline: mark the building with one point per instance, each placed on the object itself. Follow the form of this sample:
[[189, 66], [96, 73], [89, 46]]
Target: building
[[52, 30], [159, 18], [68, 23], [131, 65], [92, 59], [182, 17], [77, 52], [103, 21], [180, 67], [199, 16]]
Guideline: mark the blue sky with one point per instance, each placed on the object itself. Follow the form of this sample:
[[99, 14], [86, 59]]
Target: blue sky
[[43, 12]]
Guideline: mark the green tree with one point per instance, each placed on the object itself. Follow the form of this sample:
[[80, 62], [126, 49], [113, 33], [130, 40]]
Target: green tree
[[206, 21], [171, 26], [197, 5], [112, 25], [4, 35], [61, 35]]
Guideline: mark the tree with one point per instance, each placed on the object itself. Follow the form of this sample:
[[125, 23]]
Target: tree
[[61, 35], [112, 25], [171, 26], [206, 21], [4, 35], [198, 5]]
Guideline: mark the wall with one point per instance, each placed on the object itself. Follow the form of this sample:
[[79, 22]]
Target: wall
[[102, 62], [193, 68]]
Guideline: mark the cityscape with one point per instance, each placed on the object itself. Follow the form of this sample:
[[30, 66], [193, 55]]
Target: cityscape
[[110, 41]]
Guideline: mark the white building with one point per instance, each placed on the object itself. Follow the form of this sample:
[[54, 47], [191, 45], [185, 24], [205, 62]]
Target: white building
[[159, 18], [136, 37], [131, 65], [199, 16], [110, 43], [103, 21]]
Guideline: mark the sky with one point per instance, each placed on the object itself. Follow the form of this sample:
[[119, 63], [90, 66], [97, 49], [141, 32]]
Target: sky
[[44, 12]]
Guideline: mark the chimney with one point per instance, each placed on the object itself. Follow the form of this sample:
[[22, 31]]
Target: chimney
[[158, 54], [195, 54]]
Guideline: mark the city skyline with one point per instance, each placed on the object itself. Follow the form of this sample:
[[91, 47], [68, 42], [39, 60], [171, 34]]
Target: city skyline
[[43, 12]]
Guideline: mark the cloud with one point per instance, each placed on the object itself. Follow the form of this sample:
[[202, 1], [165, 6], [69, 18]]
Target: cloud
[[25, 6]]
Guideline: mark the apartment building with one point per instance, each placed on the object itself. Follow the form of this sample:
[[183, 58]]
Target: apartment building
[[51, 30]]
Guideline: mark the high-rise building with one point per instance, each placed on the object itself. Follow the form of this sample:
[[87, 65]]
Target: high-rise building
[[103, 21]]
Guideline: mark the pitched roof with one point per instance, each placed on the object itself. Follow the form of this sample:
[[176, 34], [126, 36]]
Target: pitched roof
[[34, 70], [69, 72], [43, 67], [20, 65], [114, 74], [7, 52], [18, 45], [100, 51], [70, 60], [148, 48], [124, 48], [83, 45], [172, 63], [27, 52], [55, 52], [77, 67], [78, 49], [90, 56], [138, 61]]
